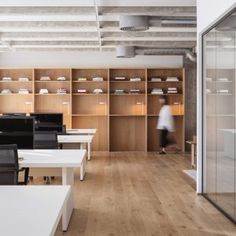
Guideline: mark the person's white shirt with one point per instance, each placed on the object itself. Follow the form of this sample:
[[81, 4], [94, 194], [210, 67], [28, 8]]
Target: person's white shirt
[[165, 120]]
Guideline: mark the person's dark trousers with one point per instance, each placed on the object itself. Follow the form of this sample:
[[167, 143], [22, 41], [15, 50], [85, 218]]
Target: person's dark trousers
[[163, 138]]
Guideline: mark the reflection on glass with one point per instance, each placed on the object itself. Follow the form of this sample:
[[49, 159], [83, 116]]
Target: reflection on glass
[[219, 166]]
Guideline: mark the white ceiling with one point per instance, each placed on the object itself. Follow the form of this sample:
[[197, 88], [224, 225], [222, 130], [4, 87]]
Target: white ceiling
[[90, 25]]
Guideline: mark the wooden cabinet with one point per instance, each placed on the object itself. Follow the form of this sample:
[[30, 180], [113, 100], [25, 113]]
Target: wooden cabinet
[[123, 109]]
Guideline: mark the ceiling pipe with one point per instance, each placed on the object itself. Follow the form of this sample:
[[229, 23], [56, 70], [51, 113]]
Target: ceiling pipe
[[142, 23], [132, 51]]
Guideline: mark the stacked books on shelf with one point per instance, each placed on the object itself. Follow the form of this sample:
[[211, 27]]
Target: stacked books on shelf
[[172, 90], [45, 78], [6, 91], [61, 91], [61, 78], [119, 78], [23, 91], [209, 79], [6, 79], [172, 79], [135, 79], [119, 91], [157, 91], [156, 79], [223, 80], [97, 79], [82, 79], [97, 91], [82, 91], [23, 79], [43, 91], [223, 91], [134, 91]]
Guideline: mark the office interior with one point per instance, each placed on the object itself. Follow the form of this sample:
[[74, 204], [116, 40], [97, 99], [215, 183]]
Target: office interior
[[83, 89]]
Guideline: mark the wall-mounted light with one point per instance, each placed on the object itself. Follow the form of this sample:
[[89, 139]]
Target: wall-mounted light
[[101, 103], [142, 106], [67, 107], [28, 104]]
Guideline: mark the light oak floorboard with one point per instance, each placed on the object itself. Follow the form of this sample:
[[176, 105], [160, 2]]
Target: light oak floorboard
[[141, 194]]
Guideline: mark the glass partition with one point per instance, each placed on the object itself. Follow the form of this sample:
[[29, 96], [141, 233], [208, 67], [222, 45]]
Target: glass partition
[[219, 120]]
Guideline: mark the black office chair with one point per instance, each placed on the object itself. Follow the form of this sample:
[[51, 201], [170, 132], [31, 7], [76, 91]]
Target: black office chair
[[9, 166], [46, 140]]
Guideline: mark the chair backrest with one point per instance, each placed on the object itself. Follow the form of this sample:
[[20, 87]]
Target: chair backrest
[[8, 164], [45, 140]]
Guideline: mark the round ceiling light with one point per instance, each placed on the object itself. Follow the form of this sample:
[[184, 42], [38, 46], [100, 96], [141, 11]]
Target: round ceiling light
[[125, 51], [134, 23]]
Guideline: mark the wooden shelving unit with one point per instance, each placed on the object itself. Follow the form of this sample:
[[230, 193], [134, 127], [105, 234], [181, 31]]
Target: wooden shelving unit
[[53, 102], [91, 110], [124, 122], [175, 100], [15, 102]]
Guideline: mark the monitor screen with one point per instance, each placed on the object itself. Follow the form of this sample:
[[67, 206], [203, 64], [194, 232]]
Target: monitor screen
[[48, 121], [17, 130]]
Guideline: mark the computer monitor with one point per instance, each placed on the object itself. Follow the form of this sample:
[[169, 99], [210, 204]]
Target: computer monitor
[[17, 130], [48, 121]]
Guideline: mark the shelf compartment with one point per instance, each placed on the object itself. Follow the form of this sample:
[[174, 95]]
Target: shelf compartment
[[15, 74], [128, 73], [89, 74], [153, 142], [55, 104], [127, 105], [163, 73], [16, 103], [52, 73], [100, 141], [90, 105], [127, 133]]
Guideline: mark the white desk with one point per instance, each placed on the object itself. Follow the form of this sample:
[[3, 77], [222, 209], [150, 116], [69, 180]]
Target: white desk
[[31, 210], [79, 139], [81, 131], [66, 160]]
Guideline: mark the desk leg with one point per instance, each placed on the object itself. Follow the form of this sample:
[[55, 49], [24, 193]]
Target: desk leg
[[82, 169], [89, 151], [68, 179], [82, 146], [192, 156]]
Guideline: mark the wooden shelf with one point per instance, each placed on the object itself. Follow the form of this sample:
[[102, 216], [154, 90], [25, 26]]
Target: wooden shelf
[[52, 94], [127, 81], [127, 94], [127, 115], [165, 94], [165, 82], [15, 81], [89, 115], [52, 81], [89, 81], [16, 94], [89, 94]]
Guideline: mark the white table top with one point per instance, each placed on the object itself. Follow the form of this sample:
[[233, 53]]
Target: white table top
[[31, 210], [51, 158], [81, 131], [75, 138]]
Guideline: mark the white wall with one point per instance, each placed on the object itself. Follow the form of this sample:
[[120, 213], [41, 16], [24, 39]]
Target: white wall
[[208, 11], [84, 60]]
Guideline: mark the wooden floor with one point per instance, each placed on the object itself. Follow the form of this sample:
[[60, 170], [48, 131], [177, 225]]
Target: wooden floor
[[142, 194]]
